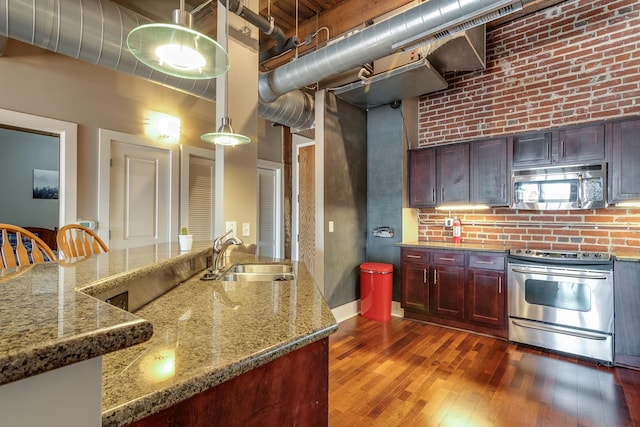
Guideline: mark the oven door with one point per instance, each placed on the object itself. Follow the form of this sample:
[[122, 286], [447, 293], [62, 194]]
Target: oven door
[[567, 297]]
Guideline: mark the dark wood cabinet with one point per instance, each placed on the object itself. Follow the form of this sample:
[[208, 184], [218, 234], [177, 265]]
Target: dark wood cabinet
[[624, 173], [486, 290], [626, 282], [422, 178], [490, 172], [580, 144], [455, 288], [453, 174], [532, 149], [415, 280], [448, 291]]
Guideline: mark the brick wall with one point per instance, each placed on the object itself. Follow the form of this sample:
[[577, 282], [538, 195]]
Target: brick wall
[[573, 63]]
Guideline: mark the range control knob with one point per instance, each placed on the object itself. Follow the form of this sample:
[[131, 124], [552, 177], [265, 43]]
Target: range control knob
[[598, 255], [586, 255], [517, 251], [528, 251]]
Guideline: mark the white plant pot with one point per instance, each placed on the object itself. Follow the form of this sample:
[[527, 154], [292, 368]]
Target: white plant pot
[[186, 240]]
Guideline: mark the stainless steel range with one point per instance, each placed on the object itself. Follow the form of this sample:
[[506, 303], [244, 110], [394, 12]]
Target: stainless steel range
[[562, 301]]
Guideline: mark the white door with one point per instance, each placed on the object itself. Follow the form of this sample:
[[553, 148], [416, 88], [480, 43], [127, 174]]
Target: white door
[[137, 190], [140, 196]]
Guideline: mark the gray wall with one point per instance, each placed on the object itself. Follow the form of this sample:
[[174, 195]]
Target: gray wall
[[345, 199], [384, 186], [21, 153]]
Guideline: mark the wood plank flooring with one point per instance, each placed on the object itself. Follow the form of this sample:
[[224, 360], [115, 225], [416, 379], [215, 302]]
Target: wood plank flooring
[[408, 373]]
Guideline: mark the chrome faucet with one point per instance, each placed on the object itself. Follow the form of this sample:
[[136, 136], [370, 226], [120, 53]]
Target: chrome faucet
[[220, 246]]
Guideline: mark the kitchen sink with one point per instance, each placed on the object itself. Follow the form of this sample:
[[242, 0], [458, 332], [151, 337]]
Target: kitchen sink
[[259, 273], [253, 272]]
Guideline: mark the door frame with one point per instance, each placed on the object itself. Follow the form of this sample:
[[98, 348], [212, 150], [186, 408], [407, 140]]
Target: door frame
[[105, 138], [297, 143], [68, 136]]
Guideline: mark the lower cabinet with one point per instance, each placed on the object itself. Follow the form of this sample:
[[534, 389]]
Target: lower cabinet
[[456, 288], [626, 286]]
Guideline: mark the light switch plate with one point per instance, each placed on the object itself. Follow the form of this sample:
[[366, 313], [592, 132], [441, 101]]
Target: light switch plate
[[246, 230], [330, 226], [231, 226]]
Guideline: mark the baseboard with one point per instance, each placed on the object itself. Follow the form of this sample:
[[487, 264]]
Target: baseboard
[[351, 309]]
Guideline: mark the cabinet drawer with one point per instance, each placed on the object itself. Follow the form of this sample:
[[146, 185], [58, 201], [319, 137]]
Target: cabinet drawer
[[448, 258], [487, 262], [415, 255]]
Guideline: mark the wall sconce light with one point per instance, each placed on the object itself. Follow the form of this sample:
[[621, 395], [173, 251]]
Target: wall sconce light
[[162, 127], [177, 50]]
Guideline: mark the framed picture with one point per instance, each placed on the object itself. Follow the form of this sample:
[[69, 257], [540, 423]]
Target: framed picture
[[45, 184]]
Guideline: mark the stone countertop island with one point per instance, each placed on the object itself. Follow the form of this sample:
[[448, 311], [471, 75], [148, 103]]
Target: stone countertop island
[[205, 333]]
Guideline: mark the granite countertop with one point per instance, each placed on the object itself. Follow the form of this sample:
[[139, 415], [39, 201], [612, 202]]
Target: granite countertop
[[619, 255], [456, 246], [204, 332]]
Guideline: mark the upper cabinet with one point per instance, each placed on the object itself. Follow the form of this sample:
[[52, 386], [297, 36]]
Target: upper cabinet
[[580, 144], [453, 174], [422, 178], [490, 172], [624, 173], [532, 149], [439, 175]]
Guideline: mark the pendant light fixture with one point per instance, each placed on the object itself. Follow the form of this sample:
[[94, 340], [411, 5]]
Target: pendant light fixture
[[177, 50], [225, 134]]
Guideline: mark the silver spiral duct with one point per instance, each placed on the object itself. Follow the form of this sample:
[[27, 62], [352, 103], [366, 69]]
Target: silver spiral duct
[[294, 109], [94, 31], [379, 40]]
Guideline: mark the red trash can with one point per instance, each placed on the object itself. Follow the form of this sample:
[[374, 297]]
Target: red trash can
[[376, 281]]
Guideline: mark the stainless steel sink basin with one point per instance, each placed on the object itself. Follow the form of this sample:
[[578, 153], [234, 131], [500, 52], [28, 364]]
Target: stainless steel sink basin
[[260, 273], [261, 268], [253, 273], [258, 277]]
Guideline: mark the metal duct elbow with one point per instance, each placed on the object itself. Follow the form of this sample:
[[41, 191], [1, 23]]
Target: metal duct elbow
[[94, 31], [294, 109]]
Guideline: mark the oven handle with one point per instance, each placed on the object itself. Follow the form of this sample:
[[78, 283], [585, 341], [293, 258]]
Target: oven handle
[[555, 273], [559, 330]]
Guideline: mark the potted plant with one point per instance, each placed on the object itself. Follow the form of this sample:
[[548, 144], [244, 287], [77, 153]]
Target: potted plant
[[185, 239]]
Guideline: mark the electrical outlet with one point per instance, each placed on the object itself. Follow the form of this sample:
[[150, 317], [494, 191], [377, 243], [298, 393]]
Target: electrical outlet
[[448, 222], [231, 226], [330, 226], [246, 230]]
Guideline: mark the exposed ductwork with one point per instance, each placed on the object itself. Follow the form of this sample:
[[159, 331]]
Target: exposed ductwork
[[95, 31], [424, 20]]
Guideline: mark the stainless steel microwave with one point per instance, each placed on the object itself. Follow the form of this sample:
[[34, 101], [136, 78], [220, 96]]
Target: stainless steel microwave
[[560, 187]]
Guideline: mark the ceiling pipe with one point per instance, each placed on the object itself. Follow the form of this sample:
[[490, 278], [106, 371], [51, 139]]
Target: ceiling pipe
[[433, 18], [266, 25]]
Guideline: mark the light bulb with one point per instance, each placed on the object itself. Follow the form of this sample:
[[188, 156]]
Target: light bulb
[[180, 57]]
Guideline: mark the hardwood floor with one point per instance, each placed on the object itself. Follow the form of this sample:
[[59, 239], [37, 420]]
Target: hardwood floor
[[403, 372]]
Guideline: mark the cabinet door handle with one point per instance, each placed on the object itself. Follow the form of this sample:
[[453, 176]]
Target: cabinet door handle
[[414, 256], [504, 190], [485, 262], [425, 276], [442, 194], [563, 149], [446, 259], [433, 194], [500, 284], [435, 276]]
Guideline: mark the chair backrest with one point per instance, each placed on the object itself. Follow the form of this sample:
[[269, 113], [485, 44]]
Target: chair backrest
[[21, 247], [75, 240]]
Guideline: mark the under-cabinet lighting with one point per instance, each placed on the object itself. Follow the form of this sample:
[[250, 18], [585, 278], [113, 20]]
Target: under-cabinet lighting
[[461, 207], [633, 204]]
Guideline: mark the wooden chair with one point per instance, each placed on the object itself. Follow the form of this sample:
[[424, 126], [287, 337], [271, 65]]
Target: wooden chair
[[75, 240], [15, 251]]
